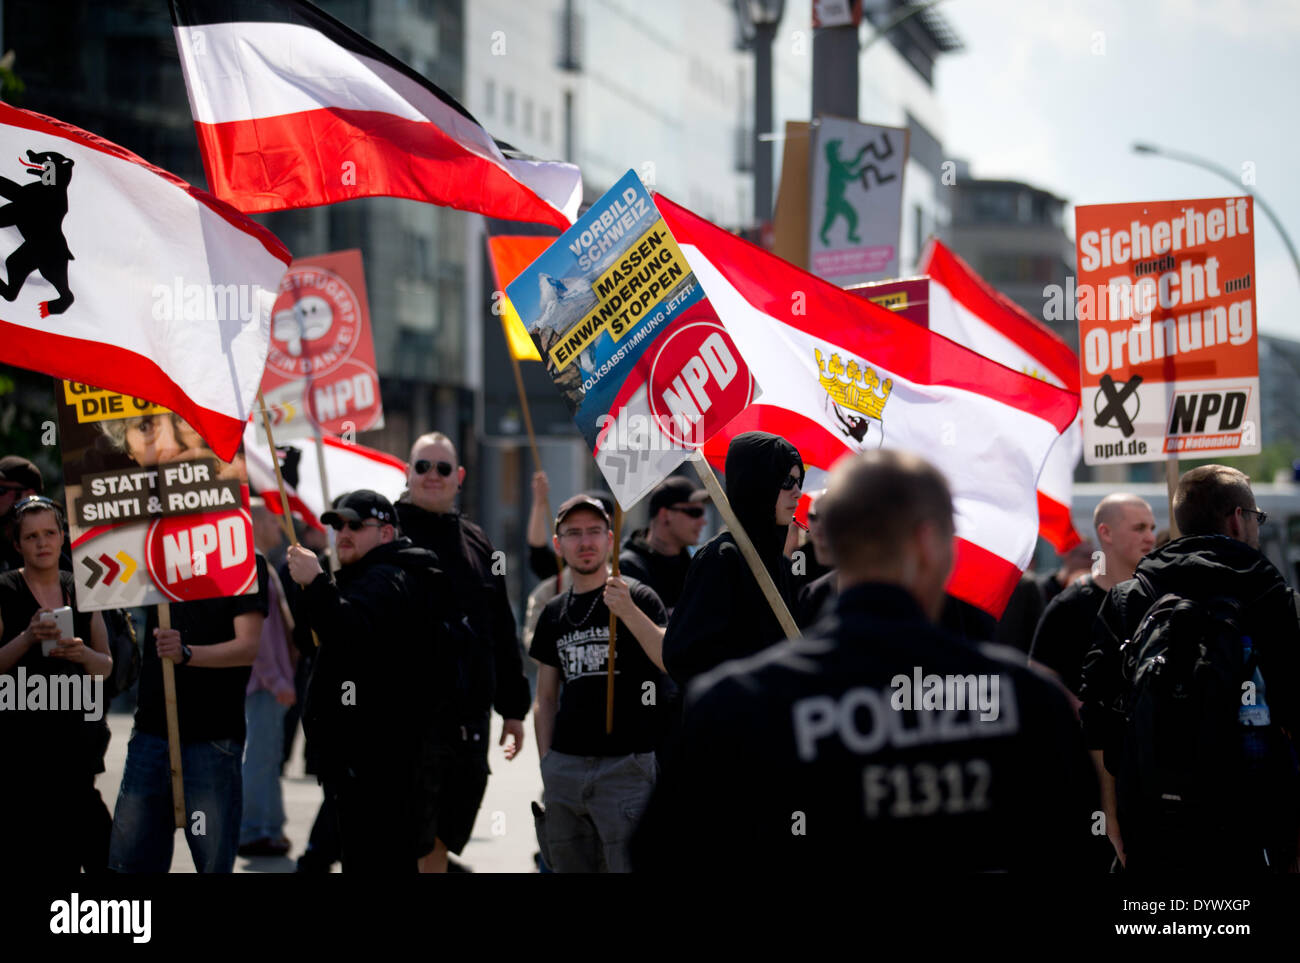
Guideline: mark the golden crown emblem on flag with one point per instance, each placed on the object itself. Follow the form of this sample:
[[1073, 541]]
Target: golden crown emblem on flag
[[859, 391]]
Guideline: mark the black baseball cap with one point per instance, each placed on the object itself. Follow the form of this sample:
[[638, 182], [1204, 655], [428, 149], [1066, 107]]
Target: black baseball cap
[[358, 506], [672, 490], [580, 501], [17, 470]]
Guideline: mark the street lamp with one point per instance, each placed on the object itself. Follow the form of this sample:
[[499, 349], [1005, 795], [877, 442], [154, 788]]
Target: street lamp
[[1227, 175], [760, 19]]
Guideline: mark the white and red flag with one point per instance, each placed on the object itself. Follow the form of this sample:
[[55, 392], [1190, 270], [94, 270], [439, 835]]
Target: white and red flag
[[965, 308], [293, 109], [846, 375], [121, 275], [347, 468]]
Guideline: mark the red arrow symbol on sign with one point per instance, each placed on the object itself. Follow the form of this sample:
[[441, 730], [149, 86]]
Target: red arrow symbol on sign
[[112, 566]]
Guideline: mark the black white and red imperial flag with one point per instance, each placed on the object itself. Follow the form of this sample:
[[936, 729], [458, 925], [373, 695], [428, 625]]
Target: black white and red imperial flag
[[293, 109], [120, 275]]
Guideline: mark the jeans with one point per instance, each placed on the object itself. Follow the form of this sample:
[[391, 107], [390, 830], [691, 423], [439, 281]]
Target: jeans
[[263, 802], [143, 828], [593, 805]]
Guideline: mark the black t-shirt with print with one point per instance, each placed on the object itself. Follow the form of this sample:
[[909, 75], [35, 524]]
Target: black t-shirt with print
[[1065, 631], [573, 636], [209, 702]]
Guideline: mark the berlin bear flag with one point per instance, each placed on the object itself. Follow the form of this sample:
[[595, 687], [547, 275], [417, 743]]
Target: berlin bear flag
[[293, 109], [843, 375], [121, 275]]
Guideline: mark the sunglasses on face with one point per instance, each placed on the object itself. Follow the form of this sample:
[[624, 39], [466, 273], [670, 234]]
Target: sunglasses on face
[[338, 525], [690, 511], [1262, 516], [791, 482], [445, 468]]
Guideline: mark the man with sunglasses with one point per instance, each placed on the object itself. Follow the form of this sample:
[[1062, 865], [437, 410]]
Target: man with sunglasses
[[368, 692], [658, 554], [1255, 821], [722, 614], [478, 672]]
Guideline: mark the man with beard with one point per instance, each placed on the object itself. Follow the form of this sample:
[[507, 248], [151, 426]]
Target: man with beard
[[375, 625], [596, 782]]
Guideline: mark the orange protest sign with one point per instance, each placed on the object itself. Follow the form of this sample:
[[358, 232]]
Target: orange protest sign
[[1168, 346]]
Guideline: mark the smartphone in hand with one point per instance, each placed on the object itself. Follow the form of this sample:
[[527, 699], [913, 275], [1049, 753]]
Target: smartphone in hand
[[61, 617]]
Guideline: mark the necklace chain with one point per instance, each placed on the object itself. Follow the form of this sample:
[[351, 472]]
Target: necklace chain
[[568, 600]]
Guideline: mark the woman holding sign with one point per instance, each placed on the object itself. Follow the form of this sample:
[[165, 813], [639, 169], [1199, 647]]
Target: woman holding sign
[[52, 727]]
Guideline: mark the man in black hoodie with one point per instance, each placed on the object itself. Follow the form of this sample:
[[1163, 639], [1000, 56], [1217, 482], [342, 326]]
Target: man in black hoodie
[[363, 715], [479, 668], [722, 613], [1217, 557]]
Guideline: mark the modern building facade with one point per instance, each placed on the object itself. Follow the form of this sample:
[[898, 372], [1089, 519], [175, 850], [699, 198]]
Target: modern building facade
[[664, 89], [1013, 234]]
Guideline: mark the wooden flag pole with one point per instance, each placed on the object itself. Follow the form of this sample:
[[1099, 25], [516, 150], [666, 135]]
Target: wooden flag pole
[[279, 480], [286, 517], [761, 574], [173, 723], [613, 626], [532, 439]]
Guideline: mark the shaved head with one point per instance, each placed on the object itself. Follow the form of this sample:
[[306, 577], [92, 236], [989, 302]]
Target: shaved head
[[1126, 530], [1110, 509], [433, 438]]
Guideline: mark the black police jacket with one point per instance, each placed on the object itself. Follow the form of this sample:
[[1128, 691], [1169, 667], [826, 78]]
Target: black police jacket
[[806, 757]]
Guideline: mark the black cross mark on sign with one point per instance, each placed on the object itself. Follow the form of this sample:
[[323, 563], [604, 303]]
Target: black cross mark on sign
[[1115, 404]]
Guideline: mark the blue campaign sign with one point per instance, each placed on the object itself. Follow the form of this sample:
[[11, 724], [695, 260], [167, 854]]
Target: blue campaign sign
[[595, 303]]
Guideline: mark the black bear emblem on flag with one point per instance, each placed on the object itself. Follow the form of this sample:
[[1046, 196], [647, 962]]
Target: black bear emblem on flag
[[37, 209]]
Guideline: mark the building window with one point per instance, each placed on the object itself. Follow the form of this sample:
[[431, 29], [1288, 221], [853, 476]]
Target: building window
[[490, 97], [510, 107], [528, 116], [546, 126]]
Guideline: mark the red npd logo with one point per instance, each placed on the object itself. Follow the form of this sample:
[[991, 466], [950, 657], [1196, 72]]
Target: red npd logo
[[698, 383], [200, 556]]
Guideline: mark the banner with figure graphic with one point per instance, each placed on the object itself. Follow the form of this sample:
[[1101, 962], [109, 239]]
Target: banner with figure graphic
[[153, 514], [626, 334], [1168, 342], [856, 210], [320, 373]]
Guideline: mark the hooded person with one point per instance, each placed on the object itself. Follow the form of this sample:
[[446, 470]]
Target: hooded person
[[722, 614]]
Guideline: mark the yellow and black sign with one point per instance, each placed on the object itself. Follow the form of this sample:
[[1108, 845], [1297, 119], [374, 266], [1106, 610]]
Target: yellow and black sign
[[626, 291], [895, 301], [98, 404]]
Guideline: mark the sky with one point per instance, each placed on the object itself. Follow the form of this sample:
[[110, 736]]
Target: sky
[[1056, 93]]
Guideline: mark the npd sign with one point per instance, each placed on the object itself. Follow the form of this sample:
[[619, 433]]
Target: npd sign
[[200, 556], [698, 383]]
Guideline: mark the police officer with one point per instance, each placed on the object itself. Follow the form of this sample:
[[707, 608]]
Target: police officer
[[881, 741]]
